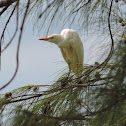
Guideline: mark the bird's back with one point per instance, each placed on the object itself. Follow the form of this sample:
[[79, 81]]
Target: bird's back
[[68, 33], [74, 54]]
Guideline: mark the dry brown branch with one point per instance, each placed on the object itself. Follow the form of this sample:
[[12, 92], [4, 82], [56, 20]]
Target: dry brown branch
[[36, 96], [4, 9], [6, 2]]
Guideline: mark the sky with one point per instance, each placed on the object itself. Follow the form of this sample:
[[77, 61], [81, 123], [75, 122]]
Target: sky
[[40, 62]]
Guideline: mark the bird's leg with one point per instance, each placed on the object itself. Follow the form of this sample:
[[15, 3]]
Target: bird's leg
[[79, 72], [66, 79], [69, 71]]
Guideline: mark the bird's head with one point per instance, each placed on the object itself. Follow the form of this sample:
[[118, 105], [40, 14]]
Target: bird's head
[[54, 38]]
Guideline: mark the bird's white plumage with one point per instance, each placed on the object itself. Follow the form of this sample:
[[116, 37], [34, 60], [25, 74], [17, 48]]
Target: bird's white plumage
[[71, 48], [74, 52]]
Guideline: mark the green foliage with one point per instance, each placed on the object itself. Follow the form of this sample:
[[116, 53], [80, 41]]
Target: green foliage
[[99, 100], [100, 96]]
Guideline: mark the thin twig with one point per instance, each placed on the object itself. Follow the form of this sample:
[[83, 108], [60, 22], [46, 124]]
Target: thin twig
[[29, 96], [2, 36], [82, 6], [111, 50], [86, 85], [13, 34], [37, 95], [79, 116], [46, 8], [18, 47], [4, 9]]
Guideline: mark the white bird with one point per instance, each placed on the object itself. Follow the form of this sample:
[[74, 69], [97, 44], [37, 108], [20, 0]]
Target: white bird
[[71, 48]]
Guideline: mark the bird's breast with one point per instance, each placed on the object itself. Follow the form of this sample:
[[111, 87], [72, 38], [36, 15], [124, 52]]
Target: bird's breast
[[69, 55]]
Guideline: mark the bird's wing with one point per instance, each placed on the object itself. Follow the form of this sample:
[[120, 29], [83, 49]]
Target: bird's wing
[[73, 53], [63, 54], [78, 47], [67, 54]]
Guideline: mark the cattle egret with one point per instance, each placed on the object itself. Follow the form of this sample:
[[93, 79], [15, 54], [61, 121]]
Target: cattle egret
[[71, 48]]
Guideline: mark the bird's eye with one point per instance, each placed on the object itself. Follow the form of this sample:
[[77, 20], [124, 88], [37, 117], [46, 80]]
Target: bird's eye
[[51, 37]]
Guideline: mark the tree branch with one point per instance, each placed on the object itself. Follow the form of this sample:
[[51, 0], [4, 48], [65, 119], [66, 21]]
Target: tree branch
[[46, 8], [82, 6], [6, 2], [2, 36], [13, 34], [78, 116], [35, 96], [4, 9]]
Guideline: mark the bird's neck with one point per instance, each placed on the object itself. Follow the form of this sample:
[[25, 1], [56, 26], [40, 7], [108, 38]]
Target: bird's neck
[[59, 39], [62, 43]]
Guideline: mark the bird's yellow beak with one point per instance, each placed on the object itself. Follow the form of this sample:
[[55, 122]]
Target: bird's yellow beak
[[46, 39]]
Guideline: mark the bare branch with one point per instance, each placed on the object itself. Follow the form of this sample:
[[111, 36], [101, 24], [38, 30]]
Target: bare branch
[[4, 9], [46, 9], [82, 6], [18, 47], [13, 34], [35, 96], [2, 36]]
